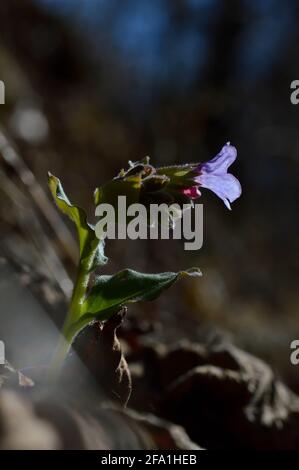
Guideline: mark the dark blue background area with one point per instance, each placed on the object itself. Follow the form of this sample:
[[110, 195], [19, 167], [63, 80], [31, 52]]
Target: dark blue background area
[[163, 49]]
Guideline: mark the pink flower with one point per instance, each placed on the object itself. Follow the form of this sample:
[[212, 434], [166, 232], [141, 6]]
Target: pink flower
[[192, 193]]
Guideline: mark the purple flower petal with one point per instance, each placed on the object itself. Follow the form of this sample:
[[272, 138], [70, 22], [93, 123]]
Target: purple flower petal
[[221, 162], [213, 175], [225, 185]]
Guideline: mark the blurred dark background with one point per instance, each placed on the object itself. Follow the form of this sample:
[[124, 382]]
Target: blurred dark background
[[93, 84]]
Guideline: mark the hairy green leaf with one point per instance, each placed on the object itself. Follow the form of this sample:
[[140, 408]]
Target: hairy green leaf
[[88, 242], [110, 293], [109, 192]]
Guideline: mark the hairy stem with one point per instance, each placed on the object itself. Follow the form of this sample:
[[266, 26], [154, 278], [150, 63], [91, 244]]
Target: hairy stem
[[74, 312]]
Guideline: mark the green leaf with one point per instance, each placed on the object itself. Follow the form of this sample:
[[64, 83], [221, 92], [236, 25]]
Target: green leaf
[[97, 247], [179, 175], [88, 242], [111, 293], [109, 192]]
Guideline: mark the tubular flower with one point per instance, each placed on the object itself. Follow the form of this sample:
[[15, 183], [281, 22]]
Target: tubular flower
[[213, 175]]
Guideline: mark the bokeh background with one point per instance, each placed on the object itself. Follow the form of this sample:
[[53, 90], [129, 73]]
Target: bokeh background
[[92, 84]]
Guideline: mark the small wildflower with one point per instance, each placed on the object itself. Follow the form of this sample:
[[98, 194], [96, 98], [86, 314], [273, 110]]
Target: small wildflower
[[213, 175]]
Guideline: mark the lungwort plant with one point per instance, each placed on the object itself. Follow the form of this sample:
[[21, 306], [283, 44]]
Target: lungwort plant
[[101, 296]]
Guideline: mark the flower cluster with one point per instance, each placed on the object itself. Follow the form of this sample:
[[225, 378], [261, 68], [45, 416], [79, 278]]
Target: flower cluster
[[181, 184]]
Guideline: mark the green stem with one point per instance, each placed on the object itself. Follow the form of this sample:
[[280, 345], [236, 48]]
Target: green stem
[[75, 309]]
